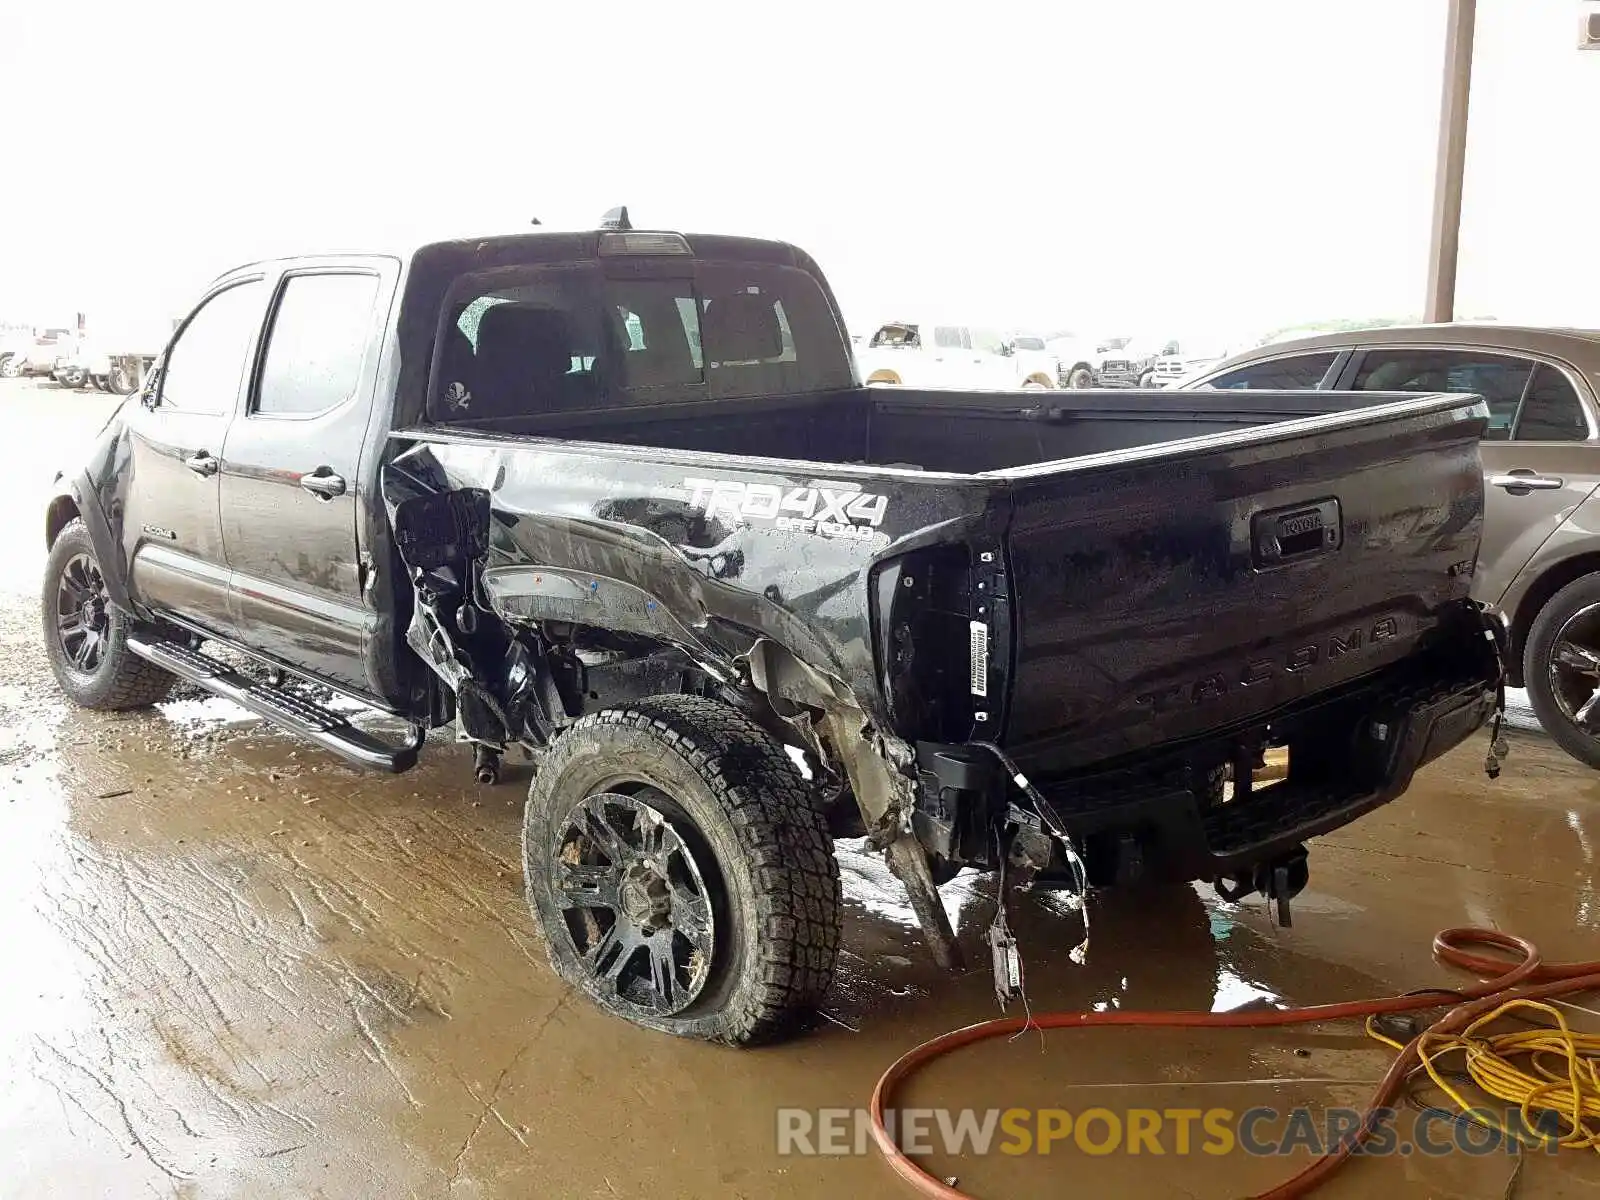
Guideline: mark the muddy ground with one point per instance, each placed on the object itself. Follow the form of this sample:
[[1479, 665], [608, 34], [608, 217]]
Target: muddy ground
[[238, 968]]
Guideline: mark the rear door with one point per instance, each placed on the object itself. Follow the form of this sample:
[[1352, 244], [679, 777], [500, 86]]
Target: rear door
[[1538, 460], [172, 532], [292, 485], [992, 367]]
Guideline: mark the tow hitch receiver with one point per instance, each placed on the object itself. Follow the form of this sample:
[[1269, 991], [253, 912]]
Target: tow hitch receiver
[[1280, 881]]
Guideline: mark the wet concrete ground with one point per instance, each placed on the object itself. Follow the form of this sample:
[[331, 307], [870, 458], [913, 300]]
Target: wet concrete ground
[[238, 968]]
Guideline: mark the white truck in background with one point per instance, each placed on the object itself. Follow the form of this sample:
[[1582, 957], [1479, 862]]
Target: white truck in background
[[914, 354], [1107, 362]]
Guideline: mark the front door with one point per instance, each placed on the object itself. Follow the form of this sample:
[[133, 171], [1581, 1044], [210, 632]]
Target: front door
[[172, 532], [292, 485]]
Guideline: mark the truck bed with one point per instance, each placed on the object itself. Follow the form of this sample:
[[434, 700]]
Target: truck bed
[[934, 429], [1161, 565]]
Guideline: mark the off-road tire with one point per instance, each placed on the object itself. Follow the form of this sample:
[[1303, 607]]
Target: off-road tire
[[122, 680], [776, 898], [1578, 594]]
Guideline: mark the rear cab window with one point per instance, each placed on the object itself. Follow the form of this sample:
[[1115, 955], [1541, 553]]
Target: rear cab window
[[569, 338]]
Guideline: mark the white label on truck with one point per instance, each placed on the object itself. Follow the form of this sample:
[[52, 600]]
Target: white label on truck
[[834, 510], [980, 659]]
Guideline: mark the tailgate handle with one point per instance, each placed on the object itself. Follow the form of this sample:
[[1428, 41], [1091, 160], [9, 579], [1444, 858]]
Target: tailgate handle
[[1284, 535]]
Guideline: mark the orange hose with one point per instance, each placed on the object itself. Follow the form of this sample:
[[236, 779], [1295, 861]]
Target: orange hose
[[1528, 977]]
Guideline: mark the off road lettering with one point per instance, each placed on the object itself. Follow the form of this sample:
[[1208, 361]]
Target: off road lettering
[[837, 512]]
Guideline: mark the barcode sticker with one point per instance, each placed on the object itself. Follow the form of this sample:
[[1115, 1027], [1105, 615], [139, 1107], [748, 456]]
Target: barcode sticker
[[980, 659]]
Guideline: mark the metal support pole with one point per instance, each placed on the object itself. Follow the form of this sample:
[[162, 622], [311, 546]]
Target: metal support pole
[[1446, 241]]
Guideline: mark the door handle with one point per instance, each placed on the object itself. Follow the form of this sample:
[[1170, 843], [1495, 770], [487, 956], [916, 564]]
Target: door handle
[[1521, 481], [323, 483], [202, 462]]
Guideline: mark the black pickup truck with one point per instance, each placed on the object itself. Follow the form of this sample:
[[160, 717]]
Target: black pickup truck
[[618, 499]]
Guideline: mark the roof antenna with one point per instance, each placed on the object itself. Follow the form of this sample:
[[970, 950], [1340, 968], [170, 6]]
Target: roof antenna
[[617, 218]]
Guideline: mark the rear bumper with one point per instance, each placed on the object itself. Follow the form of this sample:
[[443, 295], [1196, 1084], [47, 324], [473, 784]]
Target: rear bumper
[[1369, 743]]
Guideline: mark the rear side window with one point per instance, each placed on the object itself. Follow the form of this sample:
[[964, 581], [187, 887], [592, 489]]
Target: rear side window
[[317, 344], [203, 367], [1499, 378], [1552, 411], [1278, 374], [950, 337], [529, 341]]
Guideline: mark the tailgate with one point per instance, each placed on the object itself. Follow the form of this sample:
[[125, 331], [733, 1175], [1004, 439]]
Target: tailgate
[[1167, 592]]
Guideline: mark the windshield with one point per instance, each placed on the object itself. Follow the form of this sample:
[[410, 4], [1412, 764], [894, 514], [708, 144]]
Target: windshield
[[1028, 343], [522, 341]]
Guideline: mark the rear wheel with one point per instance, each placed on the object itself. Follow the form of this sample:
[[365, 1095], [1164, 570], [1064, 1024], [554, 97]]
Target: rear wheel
[[1561, 667], [86, 638], [10, 366], [681, 873], [120, 380]]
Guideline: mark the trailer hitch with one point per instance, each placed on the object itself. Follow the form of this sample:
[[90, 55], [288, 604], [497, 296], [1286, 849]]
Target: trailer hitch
[[1279, 880]]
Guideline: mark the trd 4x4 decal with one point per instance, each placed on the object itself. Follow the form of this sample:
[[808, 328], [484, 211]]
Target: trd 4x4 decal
[[830, 510]]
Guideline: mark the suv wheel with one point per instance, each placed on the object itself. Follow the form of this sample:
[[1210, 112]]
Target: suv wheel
[[681, 872], [1561, 667], [86, 638], [1081, 379]]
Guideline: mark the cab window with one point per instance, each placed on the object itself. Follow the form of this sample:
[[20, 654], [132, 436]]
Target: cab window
[[203, 367], [1290, 373]]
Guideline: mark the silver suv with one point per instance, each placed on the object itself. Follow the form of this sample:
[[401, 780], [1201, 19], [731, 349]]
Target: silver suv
[[1539, 567]]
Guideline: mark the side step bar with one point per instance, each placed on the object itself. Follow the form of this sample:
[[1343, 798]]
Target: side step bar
[[294, 713]]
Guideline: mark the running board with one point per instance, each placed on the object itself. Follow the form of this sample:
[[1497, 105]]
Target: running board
[[293, 713]]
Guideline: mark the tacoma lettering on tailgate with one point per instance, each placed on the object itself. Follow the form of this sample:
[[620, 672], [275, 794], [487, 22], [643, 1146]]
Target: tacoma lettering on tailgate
[[1218, 684]]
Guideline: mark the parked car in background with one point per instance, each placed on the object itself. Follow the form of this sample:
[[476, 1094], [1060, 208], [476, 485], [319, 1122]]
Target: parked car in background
[[1539, 566], [1182, 360], [36, 355], [964, 356], [1102, 363], [1033, 358]]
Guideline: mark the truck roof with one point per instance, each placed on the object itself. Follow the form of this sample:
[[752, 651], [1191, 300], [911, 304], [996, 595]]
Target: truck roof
[[551, 245]]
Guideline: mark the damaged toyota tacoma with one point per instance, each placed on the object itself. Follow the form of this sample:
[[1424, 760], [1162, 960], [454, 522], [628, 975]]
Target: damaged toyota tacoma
[[618, 500]]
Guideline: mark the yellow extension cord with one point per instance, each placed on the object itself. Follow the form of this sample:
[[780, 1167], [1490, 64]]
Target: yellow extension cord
[[1521, 1068]]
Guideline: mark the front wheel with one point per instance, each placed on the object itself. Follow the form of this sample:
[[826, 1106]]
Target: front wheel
[[681, 873], [1561, 668], [86, 638], [1081, 379], [120, 380], [10, 367]]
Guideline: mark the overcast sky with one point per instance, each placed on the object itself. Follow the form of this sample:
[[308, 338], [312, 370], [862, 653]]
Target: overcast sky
[[1116, 165]]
